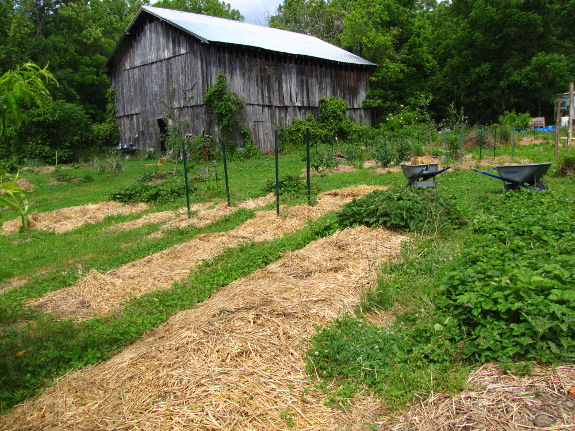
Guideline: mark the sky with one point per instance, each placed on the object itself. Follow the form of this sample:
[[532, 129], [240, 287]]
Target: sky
[[255, 11]]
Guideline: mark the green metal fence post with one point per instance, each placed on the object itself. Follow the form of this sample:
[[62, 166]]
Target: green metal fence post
[[277, 146], [461, 146], [226, 171], [307, 167], [185, 157], [445, 148]]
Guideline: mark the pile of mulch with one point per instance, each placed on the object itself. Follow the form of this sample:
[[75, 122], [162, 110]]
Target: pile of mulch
[[497, 400], [67, 219], [103, 293], [234, 362]]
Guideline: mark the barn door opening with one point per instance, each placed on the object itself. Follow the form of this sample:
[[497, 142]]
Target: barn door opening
[[163, 128]]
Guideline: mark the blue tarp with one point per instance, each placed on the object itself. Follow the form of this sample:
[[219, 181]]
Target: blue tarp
[[539, 129]]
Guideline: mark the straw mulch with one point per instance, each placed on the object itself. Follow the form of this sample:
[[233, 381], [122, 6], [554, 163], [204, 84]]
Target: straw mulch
[[213, 213], [67, 219], [24, 184], [159, 217], [498, 401], [236, 362], [103, 293]]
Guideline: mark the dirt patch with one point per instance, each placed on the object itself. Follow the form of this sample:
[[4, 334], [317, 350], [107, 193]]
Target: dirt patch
[[67, 219], [234, 362], [103, 293], [497, 400]]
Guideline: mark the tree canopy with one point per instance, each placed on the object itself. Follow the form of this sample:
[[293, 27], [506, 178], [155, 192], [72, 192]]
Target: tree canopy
[[480, 58]]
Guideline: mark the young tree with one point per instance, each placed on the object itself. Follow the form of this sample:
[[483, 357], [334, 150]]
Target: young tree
[[24, 85]]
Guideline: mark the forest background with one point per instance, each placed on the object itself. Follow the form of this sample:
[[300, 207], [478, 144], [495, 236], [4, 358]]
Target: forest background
[[450, 62]]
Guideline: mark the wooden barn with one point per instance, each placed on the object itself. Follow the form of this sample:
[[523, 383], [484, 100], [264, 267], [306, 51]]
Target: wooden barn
[[170, 55]]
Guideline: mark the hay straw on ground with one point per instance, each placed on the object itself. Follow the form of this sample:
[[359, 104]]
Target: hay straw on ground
[[103, 293], [159, 217], [233, 363], [67, 219], [497, 400]]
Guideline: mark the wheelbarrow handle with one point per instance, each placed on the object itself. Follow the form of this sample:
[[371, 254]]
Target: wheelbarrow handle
[[504, 180], [438, 172]]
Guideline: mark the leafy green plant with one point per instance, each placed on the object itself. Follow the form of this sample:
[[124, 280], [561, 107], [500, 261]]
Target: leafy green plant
[[14, 197], [164, 190], [224, 104], [63, 177], [26, 83], [513, 292], [228, 107], [353, 153], [323, 157], [514, 120], [290, 185], [418, 210], [107, 164], [384, 152]]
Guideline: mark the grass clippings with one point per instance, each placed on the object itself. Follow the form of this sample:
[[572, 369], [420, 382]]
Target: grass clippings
[[67, 219], [104, 293], [497, 400], [234, 362]]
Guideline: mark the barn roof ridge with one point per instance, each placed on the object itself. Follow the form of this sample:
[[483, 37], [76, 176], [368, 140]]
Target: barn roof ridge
[[209, 29]]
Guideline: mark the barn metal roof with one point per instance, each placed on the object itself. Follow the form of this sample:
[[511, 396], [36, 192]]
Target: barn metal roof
[[212, 29]]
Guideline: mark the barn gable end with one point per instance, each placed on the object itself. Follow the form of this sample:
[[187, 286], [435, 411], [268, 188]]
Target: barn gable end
[[157, 55]]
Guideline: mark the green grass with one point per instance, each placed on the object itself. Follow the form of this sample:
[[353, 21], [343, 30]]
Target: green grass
[[35, 348]]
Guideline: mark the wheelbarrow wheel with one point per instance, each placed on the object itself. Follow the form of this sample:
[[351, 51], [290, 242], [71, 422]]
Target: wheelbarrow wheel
[[540, 184]]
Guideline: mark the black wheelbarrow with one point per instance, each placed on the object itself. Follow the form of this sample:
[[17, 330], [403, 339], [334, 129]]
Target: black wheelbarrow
[[421, 175], [525, 175]]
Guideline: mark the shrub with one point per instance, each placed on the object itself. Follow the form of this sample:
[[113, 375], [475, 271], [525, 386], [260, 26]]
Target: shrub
[[353, 153], [58, 127], [514, 120], [323, 157]]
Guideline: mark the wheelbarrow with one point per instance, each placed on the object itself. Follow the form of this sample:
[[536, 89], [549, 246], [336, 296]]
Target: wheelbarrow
[[525, 175], [421, 175]]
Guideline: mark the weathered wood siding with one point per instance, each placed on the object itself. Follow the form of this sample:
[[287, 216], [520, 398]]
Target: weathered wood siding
[[277, 88]]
